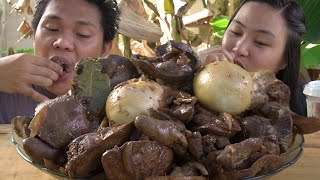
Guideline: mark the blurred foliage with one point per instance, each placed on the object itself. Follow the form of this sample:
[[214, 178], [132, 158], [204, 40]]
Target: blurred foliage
[[25, 50], [310, 49], [310, 54], [219, 25], [312, 14]]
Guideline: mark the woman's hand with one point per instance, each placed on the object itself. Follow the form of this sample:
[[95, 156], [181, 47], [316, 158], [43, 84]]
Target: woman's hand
[[20, 71], [216, 53]]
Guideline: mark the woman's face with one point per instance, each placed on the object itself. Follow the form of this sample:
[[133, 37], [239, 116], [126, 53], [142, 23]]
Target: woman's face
[[256, 37], [67, 32]]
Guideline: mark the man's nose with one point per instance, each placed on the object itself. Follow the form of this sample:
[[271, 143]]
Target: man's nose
[[64, 42], [241, 48]]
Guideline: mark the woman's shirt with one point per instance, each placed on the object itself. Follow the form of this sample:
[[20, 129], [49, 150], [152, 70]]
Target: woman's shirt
[[299, 105]]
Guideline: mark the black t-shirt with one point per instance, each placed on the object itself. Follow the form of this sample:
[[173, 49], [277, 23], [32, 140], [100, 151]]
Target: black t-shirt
[[12, 105], [299, 104]]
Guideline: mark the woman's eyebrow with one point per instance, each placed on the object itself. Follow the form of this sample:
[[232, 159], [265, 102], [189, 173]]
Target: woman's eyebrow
[[53, 17], [263, 31], [239, 22]]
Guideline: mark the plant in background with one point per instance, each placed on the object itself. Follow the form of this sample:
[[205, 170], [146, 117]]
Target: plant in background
[[22, 7], [166, 16], [310, 49], [219, 25]]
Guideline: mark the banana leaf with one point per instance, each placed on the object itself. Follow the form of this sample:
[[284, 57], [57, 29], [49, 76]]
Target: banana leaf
[[312, 14], [310, 54]]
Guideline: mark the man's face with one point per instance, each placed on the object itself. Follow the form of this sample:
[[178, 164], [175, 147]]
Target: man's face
[[67, 32]]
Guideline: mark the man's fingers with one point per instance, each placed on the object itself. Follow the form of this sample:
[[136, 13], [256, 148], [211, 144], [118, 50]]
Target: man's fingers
[[45, 72], [39, 81], [49, 64], [35, 95]]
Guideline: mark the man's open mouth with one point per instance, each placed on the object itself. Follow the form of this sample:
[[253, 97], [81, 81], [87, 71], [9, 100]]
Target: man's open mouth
[[64, 66]]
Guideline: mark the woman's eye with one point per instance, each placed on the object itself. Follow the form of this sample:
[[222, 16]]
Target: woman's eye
[[236, 33], [260, 43], [51, 29]]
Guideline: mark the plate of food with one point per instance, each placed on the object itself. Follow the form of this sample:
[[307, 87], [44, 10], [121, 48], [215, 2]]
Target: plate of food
[[159, 124], [290, 157]]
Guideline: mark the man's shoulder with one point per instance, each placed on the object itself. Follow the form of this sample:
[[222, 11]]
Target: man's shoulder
[[12, 105]]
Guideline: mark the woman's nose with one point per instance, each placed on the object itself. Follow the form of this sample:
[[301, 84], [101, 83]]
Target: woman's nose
[[64, 42], [241, 48]]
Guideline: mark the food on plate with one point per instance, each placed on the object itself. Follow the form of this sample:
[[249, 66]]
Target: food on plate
[[224, 87], [156, 123], [132, 98]]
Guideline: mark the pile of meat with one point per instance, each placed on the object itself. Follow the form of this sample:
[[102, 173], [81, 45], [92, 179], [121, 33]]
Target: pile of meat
[[182, 140]]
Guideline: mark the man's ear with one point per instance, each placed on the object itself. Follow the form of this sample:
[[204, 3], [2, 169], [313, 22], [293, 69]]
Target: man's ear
[[106, 49]]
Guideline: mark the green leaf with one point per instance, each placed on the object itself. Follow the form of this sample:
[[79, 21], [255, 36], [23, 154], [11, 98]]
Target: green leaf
[[168, 6], [219, 25], [312, 14], [26, 50], [310, 55], [90, 85], [220, 22]]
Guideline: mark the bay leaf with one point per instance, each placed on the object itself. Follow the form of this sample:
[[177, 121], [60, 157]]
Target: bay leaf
[[91, 86]]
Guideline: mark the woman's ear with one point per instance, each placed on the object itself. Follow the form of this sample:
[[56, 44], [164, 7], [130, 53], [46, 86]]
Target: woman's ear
[[283, 65], [106, 49]]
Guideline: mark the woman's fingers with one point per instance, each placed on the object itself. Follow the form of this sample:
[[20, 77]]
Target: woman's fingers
[[230, 56], [210, 58], [216, 53], [211, 50]]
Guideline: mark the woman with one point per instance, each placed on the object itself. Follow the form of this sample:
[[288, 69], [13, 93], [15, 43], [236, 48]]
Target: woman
[[64, 33], [265, 35]]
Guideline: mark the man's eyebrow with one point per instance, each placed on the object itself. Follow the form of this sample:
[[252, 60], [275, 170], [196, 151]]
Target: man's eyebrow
[[258, 30], [80, 22], [86, 23]]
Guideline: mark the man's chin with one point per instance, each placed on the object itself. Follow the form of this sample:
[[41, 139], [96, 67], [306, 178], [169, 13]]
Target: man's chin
[[59, 88]]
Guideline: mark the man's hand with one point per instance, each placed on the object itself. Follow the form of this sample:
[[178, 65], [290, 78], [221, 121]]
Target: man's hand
[[20, 71]]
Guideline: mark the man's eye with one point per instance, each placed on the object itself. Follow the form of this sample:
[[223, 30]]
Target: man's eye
[[84, 35]]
